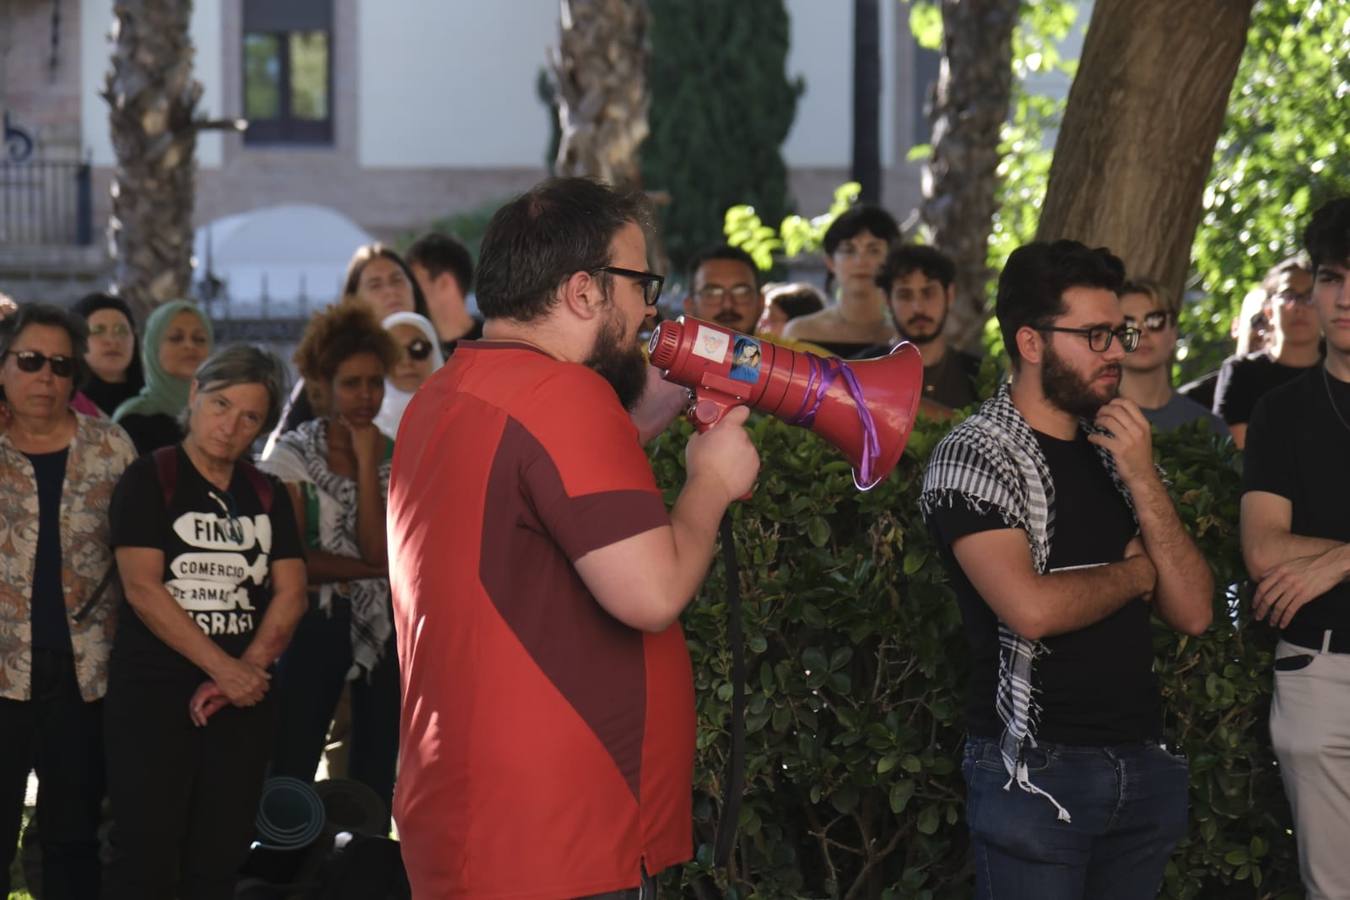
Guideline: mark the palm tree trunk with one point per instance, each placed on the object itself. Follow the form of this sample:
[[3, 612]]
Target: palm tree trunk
[[153, 98], [600, 68], [866, 168]]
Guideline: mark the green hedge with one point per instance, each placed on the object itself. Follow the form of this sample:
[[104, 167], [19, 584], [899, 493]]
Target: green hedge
[[856, 661]]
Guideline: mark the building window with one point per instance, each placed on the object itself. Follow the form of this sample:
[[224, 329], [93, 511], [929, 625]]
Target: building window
[[288, 71]]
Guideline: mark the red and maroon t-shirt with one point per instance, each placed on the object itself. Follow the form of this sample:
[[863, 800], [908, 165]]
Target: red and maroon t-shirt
[[547, 748]]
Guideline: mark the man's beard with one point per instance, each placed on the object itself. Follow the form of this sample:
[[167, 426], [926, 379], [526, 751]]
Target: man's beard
[[623, 366], [921, 339], [1065, 389]]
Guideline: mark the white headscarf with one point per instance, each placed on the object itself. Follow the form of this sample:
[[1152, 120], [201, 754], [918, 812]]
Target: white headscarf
[[395, 400]]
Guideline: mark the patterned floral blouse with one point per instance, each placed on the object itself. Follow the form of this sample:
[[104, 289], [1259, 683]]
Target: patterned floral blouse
[[97, 457]]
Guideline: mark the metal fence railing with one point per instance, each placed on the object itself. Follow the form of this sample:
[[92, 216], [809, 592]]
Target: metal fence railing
[[46, 203]]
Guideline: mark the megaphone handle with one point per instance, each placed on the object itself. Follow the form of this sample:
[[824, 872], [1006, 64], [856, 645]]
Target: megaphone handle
[[705, 412]]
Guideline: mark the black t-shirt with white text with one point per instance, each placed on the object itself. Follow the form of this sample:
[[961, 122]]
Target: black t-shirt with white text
[[218, 547], [1095, 686], [1299, 448]]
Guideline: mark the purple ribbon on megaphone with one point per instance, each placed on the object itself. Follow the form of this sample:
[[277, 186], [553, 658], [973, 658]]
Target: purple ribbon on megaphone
[[822, 374]]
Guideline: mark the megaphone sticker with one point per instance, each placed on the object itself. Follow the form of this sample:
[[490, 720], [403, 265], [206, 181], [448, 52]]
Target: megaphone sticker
[[710, 344], [745, 360]]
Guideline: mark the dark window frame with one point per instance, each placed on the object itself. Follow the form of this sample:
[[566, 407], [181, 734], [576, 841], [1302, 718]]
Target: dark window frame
[[287, 129]]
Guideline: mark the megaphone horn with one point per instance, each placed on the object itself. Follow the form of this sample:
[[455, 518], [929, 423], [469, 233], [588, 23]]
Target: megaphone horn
[[865, 408]]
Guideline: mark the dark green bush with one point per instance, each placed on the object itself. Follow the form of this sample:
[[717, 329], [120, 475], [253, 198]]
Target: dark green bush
[[856, 663]]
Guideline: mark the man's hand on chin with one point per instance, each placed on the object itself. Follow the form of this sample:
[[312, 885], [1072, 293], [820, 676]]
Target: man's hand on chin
[[661, 402]]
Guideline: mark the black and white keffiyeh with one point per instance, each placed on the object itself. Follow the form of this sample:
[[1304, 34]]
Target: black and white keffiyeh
[[299, 456], [992, 462]]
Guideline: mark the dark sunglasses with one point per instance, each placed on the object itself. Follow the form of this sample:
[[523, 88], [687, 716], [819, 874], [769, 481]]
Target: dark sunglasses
[[1099, 337], [33, 361], [649, 281], [419, 349], [1154, 321]]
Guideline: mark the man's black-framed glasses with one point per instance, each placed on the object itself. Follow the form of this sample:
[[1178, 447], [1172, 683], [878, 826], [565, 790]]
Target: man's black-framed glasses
[[1099, 337], [649, 281], [1292, 297]]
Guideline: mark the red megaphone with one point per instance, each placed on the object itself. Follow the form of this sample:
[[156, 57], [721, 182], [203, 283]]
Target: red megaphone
[[865, 408]]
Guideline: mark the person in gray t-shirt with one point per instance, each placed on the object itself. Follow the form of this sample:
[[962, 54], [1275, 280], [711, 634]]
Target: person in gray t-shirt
[[1146, 373]]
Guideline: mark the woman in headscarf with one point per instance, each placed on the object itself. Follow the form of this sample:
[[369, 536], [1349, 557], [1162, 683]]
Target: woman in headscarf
[[177, 340], [114, 364], [419, 355]]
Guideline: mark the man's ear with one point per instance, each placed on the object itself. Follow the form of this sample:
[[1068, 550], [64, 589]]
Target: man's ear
[[1030, 345], [581, 296], [829, 264], [951, 294]]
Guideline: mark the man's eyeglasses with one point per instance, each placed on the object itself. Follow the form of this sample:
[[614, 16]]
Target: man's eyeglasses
[[419, 349], [1154, 321], [1099, 337], [741, 294], [649, 281], [1293, 298], [33, 361], [117, 331]]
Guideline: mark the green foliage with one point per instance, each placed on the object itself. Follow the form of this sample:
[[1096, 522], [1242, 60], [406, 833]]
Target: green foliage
[[856, 664], [1284, 150], [794, 236], [721, 109], [467, 227]]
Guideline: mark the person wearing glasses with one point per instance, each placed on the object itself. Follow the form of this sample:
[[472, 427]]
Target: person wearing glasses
[[58, 599], [1062, 542], [1146, 374], [1296, 543], [114, 364], [209, 557], [419, 355], [1292, 347], [548, 709], [855, 246], [336, 469]]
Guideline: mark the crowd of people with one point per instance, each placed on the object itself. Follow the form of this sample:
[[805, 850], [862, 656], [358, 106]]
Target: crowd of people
[[181, 620]]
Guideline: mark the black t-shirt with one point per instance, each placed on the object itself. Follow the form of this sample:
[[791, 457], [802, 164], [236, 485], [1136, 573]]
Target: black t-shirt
[[51, 631], [1095, 686], [474, 333], [1299, 449], [150, 432], [950, 381], [1202, 389], [1243, 380], [108, 395], [218, 546]]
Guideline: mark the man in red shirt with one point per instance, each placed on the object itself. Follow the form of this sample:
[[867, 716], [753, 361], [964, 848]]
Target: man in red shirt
[[548, 710]]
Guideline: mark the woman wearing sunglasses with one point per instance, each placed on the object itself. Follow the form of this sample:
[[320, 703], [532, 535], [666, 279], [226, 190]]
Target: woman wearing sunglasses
[[337, 470], [1146, 373], [419, 356], [57, 596], [115, 374], [177, 340]]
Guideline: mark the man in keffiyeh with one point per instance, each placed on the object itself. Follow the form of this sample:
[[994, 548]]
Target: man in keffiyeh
[[1061, 541]]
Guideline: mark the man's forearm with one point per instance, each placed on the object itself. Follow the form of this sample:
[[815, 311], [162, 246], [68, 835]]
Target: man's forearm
[[1070, 600], [1271, 547], [1184, 593], [694, 523]]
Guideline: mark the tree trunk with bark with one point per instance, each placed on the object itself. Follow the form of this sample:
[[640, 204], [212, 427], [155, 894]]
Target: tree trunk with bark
[[1144, 113], [153, 100], [866, 168], [960, 182], [600, 69]]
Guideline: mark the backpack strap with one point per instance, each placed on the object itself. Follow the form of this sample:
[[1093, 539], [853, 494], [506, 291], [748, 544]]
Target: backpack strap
[[166, 466], [262, 485]]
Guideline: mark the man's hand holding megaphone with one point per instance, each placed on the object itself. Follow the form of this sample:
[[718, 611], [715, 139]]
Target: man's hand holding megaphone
[[723, 456]]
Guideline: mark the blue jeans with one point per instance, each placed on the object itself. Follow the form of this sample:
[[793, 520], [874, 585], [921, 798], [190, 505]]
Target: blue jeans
[[1128, 804]]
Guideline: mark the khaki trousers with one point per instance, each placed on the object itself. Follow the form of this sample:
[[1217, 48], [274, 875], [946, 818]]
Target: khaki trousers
[[1310, 730]]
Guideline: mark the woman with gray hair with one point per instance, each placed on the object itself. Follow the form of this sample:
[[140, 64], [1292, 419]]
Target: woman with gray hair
[[58, 599], [211, 563]]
